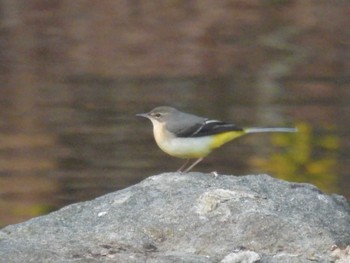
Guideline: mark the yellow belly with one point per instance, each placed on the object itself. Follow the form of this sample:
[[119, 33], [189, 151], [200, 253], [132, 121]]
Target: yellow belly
[[220, 139], [195, 147]]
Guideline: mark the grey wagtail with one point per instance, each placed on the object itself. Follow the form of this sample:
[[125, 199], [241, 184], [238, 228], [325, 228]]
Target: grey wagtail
[[187, 136]]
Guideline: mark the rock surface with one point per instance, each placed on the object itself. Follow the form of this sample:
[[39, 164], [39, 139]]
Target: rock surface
[[190, 218]]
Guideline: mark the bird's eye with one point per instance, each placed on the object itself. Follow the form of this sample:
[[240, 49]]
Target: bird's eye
[[157, 115]]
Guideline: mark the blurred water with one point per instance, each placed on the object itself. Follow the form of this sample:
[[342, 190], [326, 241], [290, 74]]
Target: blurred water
[[68, 130]]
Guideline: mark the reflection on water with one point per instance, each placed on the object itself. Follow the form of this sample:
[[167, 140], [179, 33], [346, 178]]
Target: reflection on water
[[74, 76], [309, 158], [98, 148]]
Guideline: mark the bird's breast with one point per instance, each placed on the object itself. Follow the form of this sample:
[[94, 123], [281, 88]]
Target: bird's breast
[[182, 147]]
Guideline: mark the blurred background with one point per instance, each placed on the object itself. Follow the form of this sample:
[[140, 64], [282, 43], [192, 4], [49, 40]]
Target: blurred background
[[74, 74]]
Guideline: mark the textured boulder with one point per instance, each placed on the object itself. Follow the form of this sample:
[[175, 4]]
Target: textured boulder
[[190, 218]]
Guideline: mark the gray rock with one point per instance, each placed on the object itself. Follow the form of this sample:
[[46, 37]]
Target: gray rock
[[190, 218]]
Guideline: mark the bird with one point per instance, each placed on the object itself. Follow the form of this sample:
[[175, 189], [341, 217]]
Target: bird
[[188, 136]]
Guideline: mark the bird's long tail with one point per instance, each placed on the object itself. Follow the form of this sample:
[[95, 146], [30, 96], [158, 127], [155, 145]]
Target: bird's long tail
[[276, 129]]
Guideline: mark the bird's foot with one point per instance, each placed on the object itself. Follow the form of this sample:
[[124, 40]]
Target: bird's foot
[[214, 174]]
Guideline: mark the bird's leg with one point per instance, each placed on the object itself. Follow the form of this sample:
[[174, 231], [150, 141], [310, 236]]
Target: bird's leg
[[183, 166], [193, 165]]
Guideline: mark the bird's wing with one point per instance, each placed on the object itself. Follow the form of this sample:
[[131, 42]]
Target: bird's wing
[[205, 127], [184, 124], [211, 127]]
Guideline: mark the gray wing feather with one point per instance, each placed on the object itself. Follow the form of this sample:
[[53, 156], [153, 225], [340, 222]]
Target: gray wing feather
[[184, 124], [187, 125]]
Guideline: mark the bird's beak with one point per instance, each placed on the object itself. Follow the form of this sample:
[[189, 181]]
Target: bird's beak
[[145, 115]]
